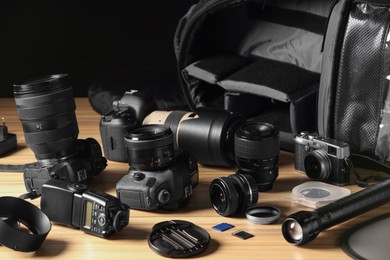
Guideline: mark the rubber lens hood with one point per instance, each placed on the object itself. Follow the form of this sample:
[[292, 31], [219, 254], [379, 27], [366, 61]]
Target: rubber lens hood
[[15, 210]]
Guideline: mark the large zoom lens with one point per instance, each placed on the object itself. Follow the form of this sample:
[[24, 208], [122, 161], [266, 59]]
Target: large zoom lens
[[233, 194], [257, 152], [207, 134], [46, 108], [149, 147]]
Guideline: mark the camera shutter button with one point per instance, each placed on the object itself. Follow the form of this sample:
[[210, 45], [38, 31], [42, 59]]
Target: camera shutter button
[[138, 176]]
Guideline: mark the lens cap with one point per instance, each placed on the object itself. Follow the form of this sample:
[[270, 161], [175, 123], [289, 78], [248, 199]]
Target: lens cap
[[178, 239], [263, 214]]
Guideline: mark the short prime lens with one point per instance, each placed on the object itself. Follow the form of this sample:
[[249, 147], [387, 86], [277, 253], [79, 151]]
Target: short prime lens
[[317, 165], [46, 109], [149, 147], [257, 152], [233, 194]]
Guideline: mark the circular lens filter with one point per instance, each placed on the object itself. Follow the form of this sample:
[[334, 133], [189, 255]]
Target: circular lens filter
[[263, 214], [178, 239]]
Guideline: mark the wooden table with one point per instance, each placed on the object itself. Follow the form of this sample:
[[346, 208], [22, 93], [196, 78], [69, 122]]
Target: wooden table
[[130, 243]]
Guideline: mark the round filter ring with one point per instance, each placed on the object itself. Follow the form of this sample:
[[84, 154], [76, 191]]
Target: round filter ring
[[263, 215]]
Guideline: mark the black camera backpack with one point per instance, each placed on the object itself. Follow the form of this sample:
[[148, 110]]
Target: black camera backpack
[[301, 65], [354, 96], [260, 58]]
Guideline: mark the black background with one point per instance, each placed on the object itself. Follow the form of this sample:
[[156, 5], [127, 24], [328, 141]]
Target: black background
[[85, 39]]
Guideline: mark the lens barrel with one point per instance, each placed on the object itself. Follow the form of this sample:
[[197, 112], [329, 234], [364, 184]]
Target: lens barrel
[[317, 165], [149, 147], [233, 194], [46, 109], [257, 152], [209, 137]]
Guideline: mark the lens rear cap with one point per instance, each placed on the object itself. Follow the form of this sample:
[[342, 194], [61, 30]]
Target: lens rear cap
[[178, 239]]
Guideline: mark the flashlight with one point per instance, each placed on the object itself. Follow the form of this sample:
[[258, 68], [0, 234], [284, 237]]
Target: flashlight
[[304, 226]]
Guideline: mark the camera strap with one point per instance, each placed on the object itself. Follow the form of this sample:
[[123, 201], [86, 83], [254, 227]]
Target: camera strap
[[20, 168], [32, 195], [16, 167], [14, 211], [358, 180]]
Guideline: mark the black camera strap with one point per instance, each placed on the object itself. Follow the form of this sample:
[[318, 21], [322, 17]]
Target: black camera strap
[[20, 168], [14, 211], [358, 180], [32, 195], [16, 167]]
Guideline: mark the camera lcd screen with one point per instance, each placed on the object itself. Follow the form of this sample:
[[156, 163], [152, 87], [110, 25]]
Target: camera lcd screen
[[88, 215]]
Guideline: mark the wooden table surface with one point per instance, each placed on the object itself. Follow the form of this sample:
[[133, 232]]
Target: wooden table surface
[[130, 243]]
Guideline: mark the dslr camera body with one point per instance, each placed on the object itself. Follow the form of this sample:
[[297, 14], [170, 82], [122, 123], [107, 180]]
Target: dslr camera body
[[75, 205], [86, 163], [127, 113], [158, 177], [169, 188], [46, 108], [322, 158]]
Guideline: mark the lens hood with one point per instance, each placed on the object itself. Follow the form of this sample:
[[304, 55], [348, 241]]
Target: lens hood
[[14, 210]]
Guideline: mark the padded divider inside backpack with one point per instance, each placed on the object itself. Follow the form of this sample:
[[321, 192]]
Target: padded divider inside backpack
[[269, 49], [276, 80]]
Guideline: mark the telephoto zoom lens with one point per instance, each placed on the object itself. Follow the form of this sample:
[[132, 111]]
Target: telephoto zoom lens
[[149, 147], [233, 194], [46, 109], [257, 152]]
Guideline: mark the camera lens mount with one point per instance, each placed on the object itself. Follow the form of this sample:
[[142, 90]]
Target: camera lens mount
[[233, 194]]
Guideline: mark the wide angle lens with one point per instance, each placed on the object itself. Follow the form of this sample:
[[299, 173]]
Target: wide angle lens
[[46, 109], [233, 194], [317, 165]]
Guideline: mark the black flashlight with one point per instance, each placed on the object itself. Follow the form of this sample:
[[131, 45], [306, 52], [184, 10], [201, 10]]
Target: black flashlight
[[304, 226]]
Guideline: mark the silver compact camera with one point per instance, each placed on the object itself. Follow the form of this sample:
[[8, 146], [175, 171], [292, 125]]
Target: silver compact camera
[[322, 159]]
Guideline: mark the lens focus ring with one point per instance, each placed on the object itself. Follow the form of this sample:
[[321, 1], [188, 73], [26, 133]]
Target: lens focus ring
[[256, 140]]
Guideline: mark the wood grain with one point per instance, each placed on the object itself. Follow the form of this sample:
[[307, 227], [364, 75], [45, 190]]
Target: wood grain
[[130, 243]]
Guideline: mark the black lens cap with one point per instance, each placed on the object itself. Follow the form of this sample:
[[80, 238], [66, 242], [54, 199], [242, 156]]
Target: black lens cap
[[178, 239]]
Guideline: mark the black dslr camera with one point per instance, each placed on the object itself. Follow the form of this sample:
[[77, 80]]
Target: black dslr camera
[[322, 158], [86, 163], [75, 205], [158, 178], [46, 109]]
